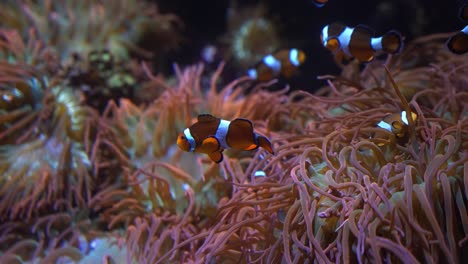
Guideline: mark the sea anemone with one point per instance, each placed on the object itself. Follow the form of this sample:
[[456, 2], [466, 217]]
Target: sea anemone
[[182, 188], [251, 35], [80, 27], [108, 182], [49, 160], [158, 171], [100, 79], [339, 188], [56, 166], [45, 140]]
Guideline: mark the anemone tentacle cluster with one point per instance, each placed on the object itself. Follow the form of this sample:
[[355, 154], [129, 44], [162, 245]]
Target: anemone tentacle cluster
[[90, 170]]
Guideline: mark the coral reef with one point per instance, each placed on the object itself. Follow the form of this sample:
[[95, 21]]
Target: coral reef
[[90, 171]]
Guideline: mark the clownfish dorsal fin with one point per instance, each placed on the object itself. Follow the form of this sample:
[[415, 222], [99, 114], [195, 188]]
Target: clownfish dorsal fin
[[206, 118], [365, 29], [244, 124], [336, 28]]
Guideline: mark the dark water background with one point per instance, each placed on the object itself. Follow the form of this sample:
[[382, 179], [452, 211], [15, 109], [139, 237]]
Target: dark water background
[[301, 23]]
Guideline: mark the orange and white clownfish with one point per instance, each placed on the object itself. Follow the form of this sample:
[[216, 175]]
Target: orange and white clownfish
[[358, 42], [319, 3], [211, 135], [397, 123], [283, 62], [458, 43]]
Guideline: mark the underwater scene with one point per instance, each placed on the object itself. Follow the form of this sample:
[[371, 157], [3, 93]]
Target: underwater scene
[[233, 131]]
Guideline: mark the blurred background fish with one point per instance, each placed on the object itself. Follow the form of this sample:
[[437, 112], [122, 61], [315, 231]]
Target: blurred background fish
[[319, 3], [397, 123], [283, 63]]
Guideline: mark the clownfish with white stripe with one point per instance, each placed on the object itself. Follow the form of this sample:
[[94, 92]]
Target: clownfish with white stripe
[[211, 135], [358, 42], [458, 43], [281, 63], [319, 3], [397, 123]]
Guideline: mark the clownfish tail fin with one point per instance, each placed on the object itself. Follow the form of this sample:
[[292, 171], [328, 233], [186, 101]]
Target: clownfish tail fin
[[265, 143], [392, 42]]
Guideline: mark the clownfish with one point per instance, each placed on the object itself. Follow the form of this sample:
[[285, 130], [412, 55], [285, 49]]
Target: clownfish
[[319, 3], [282, 62], [397, 123], [458, 43], [358, 42], [211, 135]]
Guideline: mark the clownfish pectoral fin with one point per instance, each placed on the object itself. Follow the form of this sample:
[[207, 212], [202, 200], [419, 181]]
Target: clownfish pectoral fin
[[206, 118], [332, 44], [216, 156], [265, 143], [339, 57], [209, 145], [397, 126]]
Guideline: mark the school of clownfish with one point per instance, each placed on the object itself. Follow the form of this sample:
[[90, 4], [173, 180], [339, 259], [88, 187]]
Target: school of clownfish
[[211, 135]]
